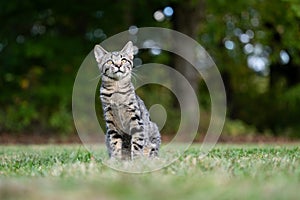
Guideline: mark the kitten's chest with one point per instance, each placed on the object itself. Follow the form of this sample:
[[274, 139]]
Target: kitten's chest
[[117, 94], [121, 101]]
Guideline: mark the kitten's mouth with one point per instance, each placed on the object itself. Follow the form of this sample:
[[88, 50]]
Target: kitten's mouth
[[119, 71]]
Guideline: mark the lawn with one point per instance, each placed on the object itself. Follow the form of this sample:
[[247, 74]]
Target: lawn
[[227, 172]]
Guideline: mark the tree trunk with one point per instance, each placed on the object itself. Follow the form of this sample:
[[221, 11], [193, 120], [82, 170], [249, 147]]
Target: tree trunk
[[188, 16]]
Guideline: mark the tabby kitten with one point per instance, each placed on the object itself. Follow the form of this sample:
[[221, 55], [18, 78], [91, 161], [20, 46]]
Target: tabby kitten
[[129, 131]]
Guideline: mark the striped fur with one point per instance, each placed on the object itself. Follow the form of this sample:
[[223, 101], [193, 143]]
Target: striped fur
[[129, 131]]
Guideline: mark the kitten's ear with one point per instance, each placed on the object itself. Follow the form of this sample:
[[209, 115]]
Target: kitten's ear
[[99, 52], [128, 49]]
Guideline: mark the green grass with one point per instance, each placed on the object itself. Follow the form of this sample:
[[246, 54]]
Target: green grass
[[227, 172]]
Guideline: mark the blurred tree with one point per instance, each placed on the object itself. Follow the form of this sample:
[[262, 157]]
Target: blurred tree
[[188, 17], [254, 44], [42, 44], [256, 49]]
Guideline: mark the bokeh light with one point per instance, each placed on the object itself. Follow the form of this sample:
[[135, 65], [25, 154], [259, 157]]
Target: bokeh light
[[284, 57], [229, 44], [168, 11], [159, 16], [133, 30]]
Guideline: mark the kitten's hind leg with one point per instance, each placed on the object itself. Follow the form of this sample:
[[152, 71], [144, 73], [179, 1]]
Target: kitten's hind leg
[[137, 142], [154, 147], [114, 144], [155, 140]]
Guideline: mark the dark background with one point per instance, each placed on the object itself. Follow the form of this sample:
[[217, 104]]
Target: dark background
[[254, 43]]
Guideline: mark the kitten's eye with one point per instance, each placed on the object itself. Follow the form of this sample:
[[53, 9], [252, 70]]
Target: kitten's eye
[[124, 61], [109, 62]]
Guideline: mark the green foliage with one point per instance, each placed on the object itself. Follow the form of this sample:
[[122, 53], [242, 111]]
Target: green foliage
[[42, 44], [257, 98], [61, 120], [227, 172], [237, 128], [290, 108], [18, 117], [292, 98], [295, 6]]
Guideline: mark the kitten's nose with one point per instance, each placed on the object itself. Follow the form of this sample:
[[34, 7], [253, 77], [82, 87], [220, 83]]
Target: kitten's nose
[[118, 64]]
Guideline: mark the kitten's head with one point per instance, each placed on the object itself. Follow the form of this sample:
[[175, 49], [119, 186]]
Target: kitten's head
[[115, 65]]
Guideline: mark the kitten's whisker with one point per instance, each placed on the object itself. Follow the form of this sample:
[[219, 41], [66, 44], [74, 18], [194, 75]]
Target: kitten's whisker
[[97, 77], [136, 76]]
